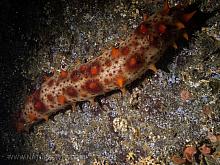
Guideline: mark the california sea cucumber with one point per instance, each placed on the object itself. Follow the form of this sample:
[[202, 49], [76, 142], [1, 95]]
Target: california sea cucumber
[[113, 69]]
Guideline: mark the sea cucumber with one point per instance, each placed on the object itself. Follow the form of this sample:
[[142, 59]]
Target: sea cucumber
[[113, 69]]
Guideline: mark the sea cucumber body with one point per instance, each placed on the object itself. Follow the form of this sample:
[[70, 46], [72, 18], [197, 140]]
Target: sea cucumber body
[[113, 69]]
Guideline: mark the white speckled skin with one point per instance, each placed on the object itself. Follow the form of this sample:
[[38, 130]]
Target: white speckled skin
[[114, 69]]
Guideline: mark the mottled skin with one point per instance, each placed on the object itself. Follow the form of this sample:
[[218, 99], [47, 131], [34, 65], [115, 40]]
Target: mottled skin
[[113, 69]]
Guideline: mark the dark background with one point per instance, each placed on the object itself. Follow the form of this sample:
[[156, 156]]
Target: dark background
[[21, 23]]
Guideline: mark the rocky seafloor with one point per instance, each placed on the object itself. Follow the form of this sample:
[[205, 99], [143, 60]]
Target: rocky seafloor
[[157, 118]]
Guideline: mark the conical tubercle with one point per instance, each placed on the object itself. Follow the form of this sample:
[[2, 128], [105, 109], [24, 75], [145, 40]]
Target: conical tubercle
[[145, 17], [185, 35], [179, 25], [186, 17]]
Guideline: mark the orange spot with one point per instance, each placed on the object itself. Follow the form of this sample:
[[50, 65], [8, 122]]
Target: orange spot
[[61, 99], [94, 68], [162, 28], [75, 75], [125, 51], [71, 91], [134, 62], [143, 29], [32, 116], [115, 52], [83, 69], [63, 74], [120, 81], [39, 106], [93, 86]]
